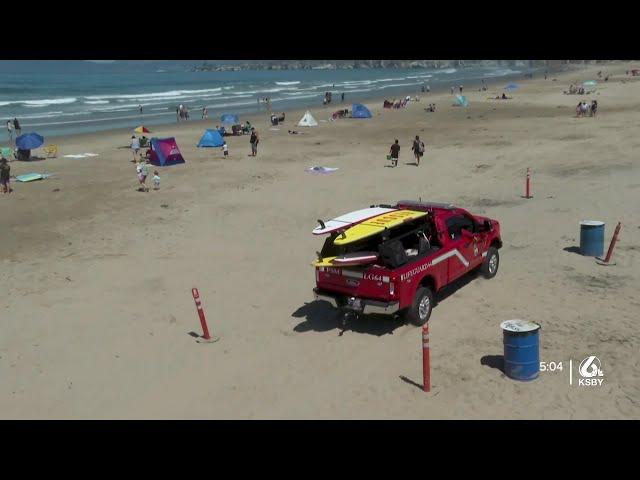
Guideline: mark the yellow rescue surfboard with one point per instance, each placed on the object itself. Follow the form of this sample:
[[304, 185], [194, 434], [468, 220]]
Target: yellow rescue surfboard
[[325, 262], [377, 225]]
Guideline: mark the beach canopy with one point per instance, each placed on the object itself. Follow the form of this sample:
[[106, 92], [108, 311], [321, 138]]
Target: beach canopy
[[230, 119], [512, 86], [29, 141], [360, 111], [211, 138], [462, 100], [142, 129], [307, 120], [165, 152]]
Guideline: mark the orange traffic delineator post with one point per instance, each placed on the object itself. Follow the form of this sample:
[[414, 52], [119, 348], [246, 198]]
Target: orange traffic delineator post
[[606, 261], [528, 185], [206, 338], [426, 367]]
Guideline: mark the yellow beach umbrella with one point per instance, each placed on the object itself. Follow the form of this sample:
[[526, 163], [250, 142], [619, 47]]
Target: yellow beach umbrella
[[142, 129]]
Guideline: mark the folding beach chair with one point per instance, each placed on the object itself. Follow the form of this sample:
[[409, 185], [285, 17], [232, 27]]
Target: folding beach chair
[[51, 151]]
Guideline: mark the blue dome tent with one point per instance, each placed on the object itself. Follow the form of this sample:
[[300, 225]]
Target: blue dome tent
[[360, 111], [211, 138], [165, 152], [229, 119]]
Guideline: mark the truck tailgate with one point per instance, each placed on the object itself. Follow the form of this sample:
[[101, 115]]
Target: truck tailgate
[[368, 282]]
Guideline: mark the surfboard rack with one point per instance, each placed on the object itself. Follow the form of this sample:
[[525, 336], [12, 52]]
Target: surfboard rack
[[382, 205]]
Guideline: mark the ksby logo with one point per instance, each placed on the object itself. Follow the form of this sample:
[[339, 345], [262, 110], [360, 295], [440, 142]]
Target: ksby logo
[[590, 371]]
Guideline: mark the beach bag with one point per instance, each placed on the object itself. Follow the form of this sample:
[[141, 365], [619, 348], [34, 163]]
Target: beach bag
[[421, 147], [393, 254]]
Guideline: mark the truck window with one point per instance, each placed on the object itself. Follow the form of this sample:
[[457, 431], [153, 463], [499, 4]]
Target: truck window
[[456, 224]]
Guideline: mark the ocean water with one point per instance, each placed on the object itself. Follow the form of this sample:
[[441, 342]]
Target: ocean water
[[66, 97]]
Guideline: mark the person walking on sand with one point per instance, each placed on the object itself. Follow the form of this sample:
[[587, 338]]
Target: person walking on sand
[[10, 130], [395, 152], [594, 108], [5, 175], [225, 149], [139, 174], [17, 127], [144, 173], [135, 146], [418, 149], [254, 140]]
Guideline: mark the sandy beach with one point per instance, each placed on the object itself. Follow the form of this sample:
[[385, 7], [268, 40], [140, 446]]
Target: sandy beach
[[97, 317]]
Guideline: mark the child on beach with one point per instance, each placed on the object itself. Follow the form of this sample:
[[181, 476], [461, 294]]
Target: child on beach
[[225, 149], [156, 180], [142, 170]]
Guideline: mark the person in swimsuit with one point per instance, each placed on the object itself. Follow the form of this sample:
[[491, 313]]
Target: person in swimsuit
[[5, 175], [254, 140]]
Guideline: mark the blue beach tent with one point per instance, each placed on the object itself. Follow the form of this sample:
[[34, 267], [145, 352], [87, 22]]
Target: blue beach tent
[[360, 111], [229, 119], [462, 100], [211, 138]]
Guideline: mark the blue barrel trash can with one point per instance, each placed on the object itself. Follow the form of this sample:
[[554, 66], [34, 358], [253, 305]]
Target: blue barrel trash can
[[591, 238], [521, 349]]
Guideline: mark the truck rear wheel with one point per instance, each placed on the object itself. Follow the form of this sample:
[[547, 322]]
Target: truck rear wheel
[[420, 310], [491, 262]]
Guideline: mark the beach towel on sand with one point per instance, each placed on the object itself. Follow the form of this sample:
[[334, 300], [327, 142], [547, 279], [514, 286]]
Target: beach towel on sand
[[82, 155], [318, 169]]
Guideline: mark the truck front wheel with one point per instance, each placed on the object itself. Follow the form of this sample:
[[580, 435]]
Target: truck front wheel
[[420, 310], [491, 262]]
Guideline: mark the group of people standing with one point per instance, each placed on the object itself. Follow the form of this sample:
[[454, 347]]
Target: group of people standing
[[583, 108], [13, 126], [182, 113], [418, 149]]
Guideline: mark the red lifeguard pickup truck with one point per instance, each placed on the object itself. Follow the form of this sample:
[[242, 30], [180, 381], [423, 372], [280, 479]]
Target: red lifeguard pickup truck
[[414, 261]]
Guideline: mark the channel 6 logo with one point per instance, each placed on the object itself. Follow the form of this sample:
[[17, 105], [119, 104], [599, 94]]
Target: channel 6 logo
[[591, 372]]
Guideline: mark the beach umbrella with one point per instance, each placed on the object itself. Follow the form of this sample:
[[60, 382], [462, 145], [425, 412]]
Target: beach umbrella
[[229, 118], [512, 86], [29, 141], [142, 129], [590, 83]]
